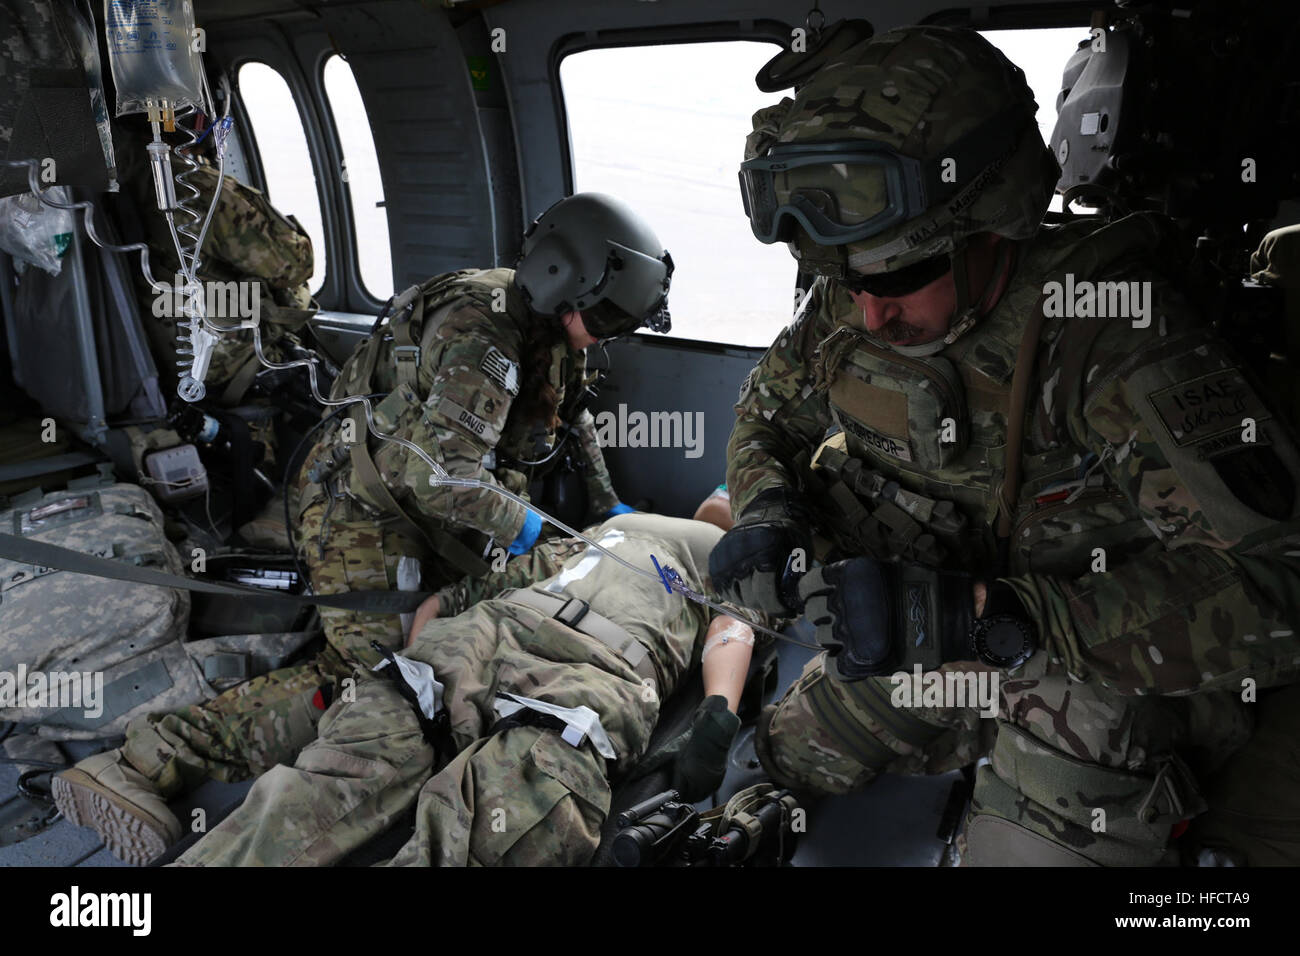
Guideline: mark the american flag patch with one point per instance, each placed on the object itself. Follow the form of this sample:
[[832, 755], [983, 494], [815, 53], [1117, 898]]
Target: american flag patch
[[501, 370]]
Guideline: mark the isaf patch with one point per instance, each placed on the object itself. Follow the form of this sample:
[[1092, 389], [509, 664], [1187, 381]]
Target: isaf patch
[[501, 370], [1207, 409]]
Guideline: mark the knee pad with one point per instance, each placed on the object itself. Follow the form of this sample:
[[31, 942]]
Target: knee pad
[[833, 737]]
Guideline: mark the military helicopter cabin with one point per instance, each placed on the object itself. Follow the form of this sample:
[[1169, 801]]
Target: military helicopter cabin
[[407, 138]]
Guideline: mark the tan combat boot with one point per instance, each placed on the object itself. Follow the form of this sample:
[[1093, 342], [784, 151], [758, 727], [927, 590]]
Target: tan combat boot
[[106, 793]]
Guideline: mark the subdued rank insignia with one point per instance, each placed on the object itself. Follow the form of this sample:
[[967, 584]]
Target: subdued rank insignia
[[1259, 479], [501, 370]]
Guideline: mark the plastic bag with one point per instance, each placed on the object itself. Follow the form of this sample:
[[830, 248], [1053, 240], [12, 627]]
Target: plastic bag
[[89, 50], [33, 232], [151, 51]]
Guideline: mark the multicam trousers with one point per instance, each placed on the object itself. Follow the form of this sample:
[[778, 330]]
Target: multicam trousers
[[519, 796], [266, 721], [1077, 774]]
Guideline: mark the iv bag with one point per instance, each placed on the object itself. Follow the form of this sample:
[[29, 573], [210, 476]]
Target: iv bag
[[150, 48]]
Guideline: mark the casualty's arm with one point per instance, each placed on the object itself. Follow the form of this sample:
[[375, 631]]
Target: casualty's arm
[[728, 646]]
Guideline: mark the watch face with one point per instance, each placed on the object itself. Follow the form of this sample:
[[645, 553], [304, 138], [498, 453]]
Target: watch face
[[1004, 641]]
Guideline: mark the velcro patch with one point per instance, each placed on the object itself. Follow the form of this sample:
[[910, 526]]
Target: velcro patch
[[1208, 406], [501, 370], [467, 421]]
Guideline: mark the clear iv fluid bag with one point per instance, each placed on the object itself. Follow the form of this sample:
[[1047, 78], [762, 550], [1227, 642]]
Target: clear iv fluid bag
[[151, 47]]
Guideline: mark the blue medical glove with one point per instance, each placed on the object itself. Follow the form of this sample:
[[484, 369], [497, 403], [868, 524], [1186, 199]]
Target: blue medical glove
[[527, 534]]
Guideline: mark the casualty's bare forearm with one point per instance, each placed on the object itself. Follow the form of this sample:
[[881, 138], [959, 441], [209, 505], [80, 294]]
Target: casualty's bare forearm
[[728, 646]]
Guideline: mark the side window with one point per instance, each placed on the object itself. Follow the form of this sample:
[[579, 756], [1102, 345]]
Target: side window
[[1042, 54], [361, 174], [663, 128], [282, 148]]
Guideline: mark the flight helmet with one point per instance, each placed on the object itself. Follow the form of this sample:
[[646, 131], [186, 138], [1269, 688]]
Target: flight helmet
[[592, 253]]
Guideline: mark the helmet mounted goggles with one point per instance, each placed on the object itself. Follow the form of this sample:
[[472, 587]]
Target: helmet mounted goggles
[[813, 206], [801, 184]]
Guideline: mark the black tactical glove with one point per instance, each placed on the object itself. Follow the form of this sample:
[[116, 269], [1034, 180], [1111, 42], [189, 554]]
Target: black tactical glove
[[747, 565], [879, 618], [699, 755]]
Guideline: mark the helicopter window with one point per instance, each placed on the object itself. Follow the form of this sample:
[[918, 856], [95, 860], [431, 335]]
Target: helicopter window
[[1042, 54], [281, 146], [361, 176], [663, 128]]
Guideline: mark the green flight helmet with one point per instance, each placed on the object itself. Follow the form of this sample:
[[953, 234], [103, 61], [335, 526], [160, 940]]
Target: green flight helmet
[[593, 254], [897, 150]]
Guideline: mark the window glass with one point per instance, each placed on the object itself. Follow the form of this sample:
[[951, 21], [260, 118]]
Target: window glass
[[663, 128], [282, 149], [361, 174], [1042, 54]]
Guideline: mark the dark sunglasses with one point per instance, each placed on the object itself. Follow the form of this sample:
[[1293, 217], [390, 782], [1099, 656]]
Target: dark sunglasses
[[891, 285]]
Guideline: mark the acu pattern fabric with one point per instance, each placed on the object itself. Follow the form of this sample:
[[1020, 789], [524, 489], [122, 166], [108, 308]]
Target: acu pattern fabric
[[1136, 693], [517, 796]]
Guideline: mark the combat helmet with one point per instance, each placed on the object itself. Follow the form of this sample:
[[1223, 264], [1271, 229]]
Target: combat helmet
[[592, 253], [894, 152]]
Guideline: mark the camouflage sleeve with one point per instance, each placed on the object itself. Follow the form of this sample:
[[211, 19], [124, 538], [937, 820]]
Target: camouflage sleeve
[[601, 495], [538, 564], [1220, 602], [778, 413], [474, 376]]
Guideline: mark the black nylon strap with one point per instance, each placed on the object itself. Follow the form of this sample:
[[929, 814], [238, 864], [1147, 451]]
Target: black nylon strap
[[42, 554]]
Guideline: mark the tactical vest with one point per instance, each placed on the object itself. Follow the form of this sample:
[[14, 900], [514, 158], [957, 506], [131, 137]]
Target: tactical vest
[[388, 362], [922, 456]]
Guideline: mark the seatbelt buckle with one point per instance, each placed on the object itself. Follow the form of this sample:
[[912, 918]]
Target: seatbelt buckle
[[406, 353], [226, 665], [573, 611]]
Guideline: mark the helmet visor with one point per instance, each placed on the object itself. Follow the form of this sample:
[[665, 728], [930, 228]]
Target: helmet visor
[[634, 293], [838, 192]]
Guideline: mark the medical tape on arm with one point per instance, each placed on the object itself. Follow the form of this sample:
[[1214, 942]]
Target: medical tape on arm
[[736, 631]]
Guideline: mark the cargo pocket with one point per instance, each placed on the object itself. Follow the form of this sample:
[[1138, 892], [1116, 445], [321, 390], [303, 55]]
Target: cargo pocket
[[540, 802]]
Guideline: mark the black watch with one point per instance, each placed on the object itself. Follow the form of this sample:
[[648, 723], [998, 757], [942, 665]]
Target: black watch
[[1003, 640]]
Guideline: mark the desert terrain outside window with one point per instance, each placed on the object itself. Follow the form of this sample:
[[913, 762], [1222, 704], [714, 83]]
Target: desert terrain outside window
[[361, 178], [286, 160]]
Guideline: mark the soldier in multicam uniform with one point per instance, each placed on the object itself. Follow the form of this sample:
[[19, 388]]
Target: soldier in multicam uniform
[[480, 368], [1101, 510], [533, 701]]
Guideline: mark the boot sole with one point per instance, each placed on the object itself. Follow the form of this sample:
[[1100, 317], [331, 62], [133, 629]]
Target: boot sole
[[131, 837]]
